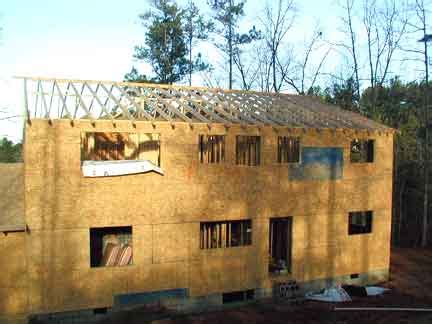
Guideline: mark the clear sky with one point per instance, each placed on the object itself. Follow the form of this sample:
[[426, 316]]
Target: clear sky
[[94, 39]]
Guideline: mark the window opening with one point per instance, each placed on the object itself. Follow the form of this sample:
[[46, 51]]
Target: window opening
[[288, 149], [109, 146], [212, 148], [280, 237], [362, 151], [360, 222], [248, 150], [225, 234], [110, 246], [238, 296]]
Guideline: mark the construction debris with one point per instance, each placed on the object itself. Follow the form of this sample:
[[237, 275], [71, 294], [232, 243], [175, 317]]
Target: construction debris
[[332, 295], [345, 292]]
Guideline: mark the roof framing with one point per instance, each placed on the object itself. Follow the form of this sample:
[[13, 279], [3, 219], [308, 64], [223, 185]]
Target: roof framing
[[89, 99]]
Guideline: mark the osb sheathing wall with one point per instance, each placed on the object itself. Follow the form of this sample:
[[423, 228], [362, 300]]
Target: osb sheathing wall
[[165, 211], [13, 283], [12, 194]]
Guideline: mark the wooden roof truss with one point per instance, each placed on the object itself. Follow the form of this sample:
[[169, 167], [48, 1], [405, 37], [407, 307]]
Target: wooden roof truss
[[81, 99]]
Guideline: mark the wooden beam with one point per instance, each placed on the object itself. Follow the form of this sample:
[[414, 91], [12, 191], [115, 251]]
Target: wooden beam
[[64, 106], [146, 114], [215, 105], [155, 107], [26, 106], [111, 96], [95, 97], [189, 109], [83, 105], [208, 111]]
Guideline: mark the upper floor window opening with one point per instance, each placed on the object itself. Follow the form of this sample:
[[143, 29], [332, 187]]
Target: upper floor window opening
[[212, 148], [360, 222], [111, 146], [362, 151], [288, 149], [248, 150]]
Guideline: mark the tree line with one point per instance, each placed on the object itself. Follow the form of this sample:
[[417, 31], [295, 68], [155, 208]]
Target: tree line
[[376, 39]]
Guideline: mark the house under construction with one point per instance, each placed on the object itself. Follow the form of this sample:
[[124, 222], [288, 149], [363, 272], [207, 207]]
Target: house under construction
[[191, 197]]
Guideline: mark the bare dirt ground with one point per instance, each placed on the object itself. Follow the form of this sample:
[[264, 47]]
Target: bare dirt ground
[[410, 283]]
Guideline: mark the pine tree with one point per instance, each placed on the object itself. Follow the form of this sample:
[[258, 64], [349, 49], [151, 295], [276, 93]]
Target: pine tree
[[165, 48], [195, 28], [10, 152]]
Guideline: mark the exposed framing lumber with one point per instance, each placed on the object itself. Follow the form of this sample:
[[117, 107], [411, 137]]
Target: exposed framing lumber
[[214, 116], [189, 109], [103, 106], [63, 100], [137, 107], [155, 102], [26, 106], [118, 103], [83, 105]]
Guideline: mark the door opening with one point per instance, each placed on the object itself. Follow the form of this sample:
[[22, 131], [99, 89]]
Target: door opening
[[280, 241]]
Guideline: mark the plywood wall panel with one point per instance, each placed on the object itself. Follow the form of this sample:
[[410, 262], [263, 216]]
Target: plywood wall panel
[[165, 212]]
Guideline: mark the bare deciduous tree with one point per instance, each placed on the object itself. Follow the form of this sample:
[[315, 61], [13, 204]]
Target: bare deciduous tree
[[247, 67], [421, 25], [264, 68], [276, 22], [351, 46], [385, 27], [306, 70]]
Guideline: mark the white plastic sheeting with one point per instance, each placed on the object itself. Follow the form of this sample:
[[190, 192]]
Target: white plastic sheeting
[[116, 168], [333, 295], [338, 294], [375, 291]]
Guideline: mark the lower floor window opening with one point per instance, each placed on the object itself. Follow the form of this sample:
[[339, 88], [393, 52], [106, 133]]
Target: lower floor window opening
[[280, 243], [238, 296], [225, 234], [360, 222], [110, 246]]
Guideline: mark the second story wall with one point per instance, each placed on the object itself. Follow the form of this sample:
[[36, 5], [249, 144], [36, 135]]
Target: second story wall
[[60, 197]]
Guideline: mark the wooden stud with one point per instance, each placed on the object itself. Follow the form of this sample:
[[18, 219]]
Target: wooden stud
[[137, 107], [95, 97], [110, 95], [26, 106], [63, 100], [83, 105], [45, 106]]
